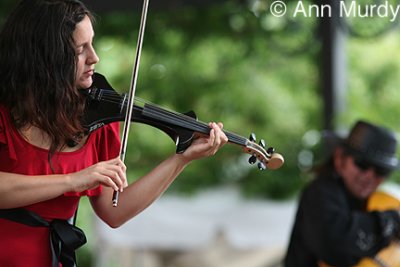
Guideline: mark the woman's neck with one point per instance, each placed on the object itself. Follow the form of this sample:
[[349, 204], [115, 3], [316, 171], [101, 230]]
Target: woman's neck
[[39, 138]]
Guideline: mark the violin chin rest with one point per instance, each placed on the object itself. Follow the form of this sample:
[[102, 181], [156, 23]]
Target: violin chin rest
[[275, 162]]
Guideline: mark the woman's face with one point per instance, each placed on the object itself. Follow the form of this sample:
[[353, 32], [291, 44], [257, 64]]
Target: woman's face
[[361, 182], [86, 55]]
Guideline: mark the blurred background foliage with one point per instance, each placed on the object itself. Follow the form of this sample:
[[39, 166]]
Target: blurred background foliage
[[225, 63], [255, 72], [236, 63], [232, 61]]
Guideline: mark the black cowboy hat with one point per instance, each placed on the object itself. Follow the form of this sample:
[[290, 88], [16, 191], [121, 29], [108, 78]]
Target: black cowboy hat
[[374, 144]]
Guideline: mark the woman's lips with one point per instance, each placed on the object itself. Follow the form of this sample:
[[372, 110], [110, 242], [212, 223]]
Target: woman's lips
[[89, 72]]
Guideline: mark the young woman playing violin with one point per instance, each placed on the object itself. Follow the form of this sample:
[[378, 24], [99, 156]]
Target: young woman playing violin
[[46, 56]]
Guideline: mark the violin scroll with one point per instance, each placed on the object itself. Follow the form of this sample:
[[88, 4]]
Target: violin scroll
[[268, 159]]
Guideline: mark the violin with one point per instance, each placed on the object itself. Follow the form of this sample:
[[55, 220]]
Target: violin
[[104, 105]]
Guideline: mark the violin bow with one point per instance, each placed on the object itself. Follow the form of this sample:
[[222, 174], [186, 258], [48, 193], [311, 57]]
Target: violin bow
[[131, 94]]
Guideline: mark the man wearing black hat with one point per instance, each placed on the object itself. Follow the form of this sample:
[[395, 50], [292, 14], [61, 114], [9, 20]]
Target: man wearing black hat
[[332, 225]]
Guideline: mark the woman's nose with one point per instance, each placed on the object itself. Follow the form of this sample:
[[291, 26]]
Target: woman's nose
[[93, 58]]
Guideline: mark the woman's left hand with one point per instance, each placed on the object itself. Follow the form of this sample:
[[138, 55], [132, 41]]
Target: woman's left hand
[[206, 146]]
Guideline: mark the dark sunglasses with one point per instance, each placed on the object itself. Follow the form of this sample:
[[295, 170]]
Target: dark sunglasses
[[365, 165]]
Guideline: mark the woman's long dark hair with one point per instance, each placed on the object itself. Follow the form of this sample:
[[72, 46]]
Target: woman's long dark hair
[[38, 68]]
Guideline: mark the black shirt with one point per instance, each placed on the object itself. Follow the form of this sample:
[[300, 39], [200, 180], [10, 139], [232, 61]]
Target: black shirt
[[333, 226]]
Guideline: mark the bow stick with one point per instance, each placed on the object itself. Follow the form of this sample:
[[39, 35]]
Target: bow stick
[[131, 95]]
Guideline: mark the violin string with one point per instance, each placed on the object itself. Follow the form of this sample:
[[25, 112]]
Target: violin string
[[170, 116], [189, 122], [194, 123]]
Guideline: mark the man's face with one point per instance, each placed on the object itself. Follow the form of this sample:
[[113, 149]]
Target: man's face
[[360, 178]]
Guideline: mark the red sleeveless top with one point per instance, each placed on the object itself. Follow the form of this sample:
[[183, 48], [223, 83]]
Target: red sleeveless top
[[22, 245]]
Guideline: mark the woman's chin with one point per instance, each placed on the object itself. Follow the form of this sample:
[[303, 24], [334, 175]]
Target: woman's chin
[[85, 82]]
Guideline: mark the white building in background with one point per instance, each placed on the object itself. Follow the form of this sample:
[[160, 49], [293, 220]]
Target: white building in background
[[216, 228]]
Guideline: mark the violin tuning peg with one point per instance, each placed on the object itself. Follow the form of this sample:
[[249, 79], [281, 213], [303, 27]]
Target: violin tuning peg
[[252, 137], [261, 166], [252, 159], [270, 150], [262, 143]]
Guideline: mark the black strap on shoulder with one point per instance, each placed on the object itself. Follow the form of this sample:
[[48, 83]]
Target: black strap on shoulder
[[64, 237]]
